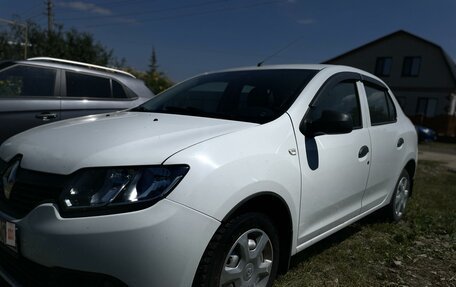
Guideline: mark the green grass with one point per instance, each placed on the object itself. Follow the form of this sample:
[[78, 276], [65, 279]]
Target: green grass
[[418, 251]]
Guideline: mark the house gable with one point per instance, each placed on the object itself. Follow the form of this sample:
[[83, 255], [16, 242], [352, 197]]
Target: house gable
[[437, 70]]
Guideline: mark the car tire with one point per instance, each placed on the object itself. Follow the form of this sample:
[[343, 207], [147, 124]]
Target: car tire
[[395, 210], [243, 251]]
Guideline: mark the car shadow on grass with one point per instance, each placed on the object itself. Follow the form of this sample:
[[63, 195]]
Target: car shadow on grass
[[336, 238]]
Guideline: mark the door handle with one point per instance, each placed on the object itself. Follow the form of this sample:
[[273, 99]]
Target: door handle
[[46, 116], [400, 142], [363, 151]]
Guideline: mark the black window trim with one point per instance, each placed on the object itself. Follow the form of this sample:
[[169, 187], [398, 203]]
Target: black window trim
[[374, 83], [329, 84]]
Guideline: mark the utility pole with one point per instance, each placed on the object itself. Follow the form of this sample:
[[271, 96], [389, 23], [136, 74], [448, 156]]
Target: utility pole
[[50, 16], [153, 62], [25, 27]]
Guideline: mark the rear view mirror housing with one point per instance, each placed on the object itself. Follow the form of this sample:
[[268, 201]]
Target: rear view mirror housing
[[330, 123]]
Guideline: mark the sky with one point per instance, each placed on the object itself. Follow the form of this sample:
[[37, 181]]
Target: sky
[[196, 36]]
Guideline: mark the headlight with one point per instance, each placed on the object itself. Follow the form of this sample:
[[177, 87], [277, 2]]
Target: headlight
[[100, 190]]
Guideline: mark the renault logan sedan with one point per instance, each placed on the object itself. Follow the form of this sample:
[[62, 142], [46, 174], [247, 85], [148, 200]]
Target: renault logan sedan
[[218, 181]]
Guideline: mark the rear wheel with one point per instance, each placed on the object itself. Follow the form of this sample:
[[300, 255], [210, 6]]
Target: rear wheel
[[396, 208], [243, 252]]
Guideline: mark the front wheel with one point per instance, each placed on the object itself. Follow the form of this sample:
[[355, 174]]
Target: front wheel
[[396, 208], [243, 252]]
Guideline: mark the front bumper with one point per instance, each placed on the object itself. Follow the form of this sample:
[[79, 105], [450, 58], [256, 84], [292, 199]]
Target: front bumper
[[158, 246]]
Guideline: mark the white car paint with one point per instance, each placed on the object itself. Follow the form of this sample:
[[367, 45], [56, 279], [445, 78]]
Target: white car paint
[[230, 161], [90, 141]]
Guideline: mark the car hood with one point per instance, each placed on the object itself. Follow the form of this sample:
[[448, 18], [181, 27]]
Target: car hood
[[116, 139]]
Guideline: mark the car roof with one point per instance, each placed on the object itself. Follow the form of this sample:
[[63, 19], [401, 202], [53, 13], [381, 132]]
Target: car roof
[[276, 67], [330, 69]]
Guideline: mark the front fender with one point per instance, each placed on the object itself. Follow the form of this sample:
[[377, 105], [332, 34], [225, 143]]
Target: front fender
[[228, 169]]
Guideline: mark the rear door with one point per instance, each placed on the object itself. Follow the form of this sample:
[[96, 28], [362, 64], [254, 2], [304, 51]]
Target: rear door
[[86, 94], [387, 143], [27, 98], [335, 168]]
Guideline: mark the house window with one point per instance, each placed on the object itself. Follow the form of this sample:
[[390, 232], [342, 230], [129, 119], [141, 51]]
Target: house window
[[383, 66], [426, 107], [411, 66]]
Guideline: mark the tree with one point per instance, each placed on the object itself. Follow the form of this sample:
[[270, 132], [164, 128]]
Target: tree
[[70, 44], [153, 62], [73, 45], [155, 80]]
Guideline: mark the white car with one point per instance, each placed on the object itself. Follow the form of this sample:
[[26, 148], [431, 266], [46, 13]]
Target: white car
[[216, 182]]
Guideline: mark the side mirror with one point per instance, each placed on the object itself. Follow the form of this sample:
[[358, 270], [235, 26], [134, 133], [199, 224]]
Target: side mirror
[[330, 123]]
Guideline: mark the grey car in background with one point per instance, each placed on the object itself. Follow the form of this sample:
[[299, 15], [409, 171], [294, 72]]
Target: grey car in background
[[43, 90]]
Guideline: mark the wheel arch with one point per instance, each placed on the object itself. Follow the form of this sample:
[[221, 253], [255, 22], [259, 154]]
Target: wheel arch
[[276, 208], [410, 167]]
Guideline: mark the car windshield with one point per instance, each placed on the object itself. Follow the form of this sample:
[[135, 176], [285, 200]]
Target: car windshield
[[256, 96]]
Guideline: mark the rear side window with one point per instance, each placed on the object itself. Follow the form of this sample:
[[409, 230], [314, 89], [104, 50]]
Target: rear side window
[[27, 81], [381, 107], [118, 91], [342, 97], [86, 86]]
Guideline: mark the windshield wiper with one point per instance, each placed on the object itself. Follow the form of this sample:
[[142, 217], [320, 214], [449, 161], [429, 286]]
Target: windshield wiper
[[140, 109], [190, 111]]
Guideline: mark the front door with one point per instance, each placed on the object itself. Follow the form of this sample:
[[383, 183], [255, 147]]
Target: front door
[[27, 99], [334, 167]]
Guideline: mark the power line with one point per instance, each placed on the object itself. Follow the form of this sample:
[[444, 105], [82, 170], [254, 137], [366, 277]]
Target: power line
[[147, 12], [68, 9], [227, 9], [31, 11], [31, 17]]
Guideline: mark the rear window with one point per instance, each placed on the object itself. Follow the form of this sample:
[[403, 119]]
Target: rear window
[[381, 107], [118, 91], [255, 96], [87, 86]]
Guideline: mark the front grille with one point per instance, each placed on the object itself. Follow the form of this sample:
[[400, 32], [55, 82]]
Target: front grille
[[29, 273], [31, 189]]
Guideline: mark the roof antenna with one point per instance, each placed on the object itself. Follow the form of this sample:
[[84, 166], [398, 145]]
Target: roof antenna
[[280, 50]]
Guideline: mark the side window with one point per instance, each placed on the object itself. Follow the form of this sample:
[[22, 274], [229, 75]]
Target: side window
[[391, 108], [87, 86], [342, 97], [27, 81], [381, 107], [118, 91]]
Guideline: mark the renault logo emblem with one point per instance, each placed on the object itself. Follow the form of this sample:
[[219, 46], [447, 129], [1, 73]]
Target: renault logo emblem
[[9, 178]]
